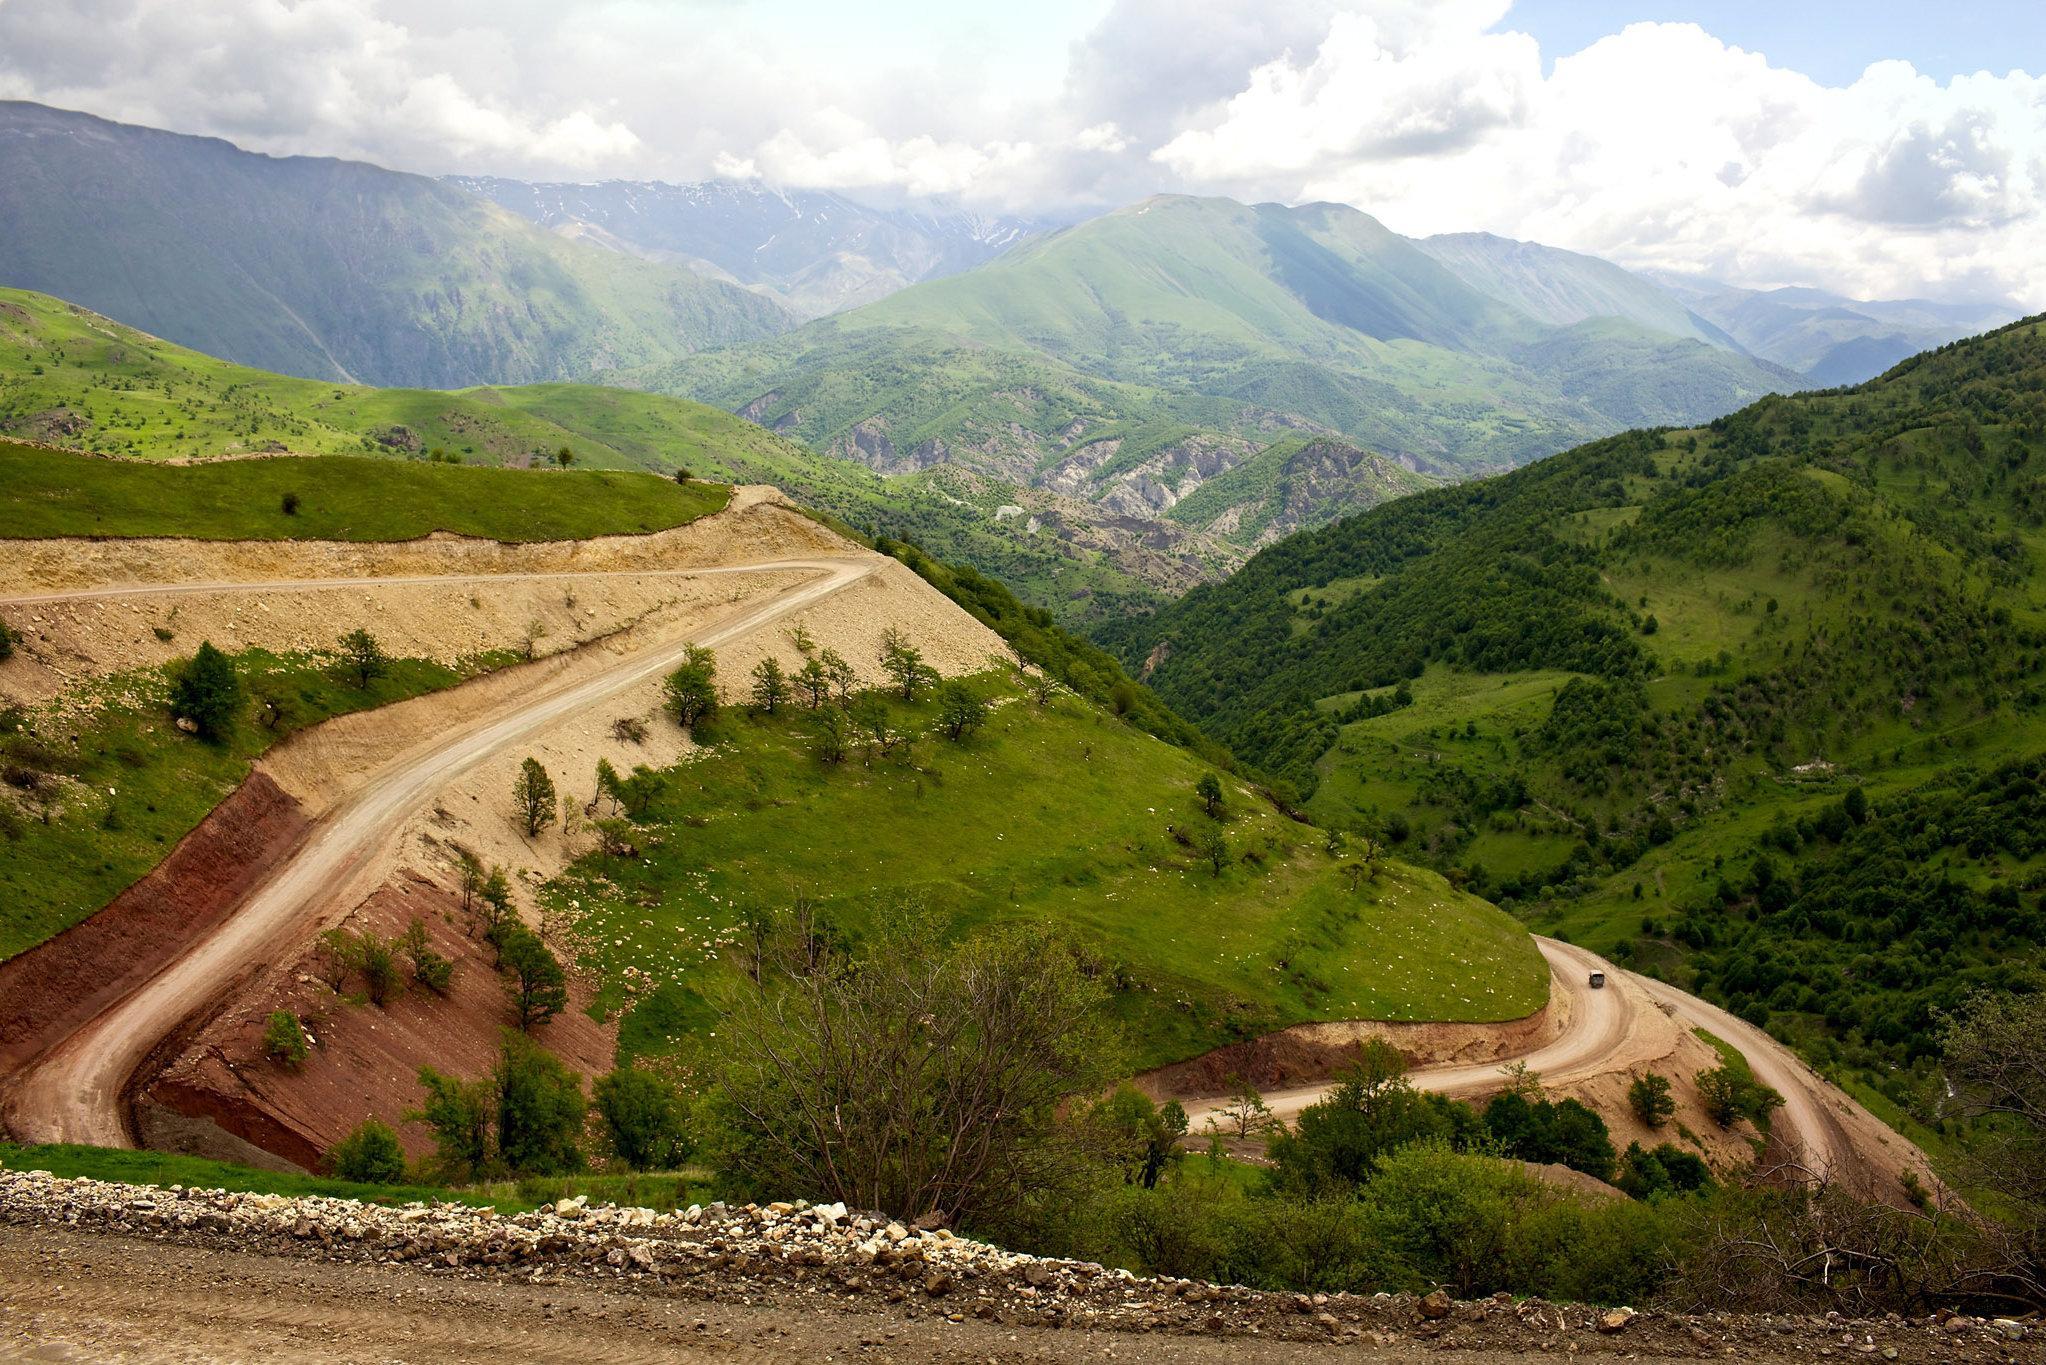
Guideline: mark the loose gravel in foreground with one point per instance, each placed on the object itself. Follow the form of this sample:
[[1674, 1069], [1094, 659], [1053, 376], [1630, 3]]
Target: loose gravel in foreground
[[920, 1284]]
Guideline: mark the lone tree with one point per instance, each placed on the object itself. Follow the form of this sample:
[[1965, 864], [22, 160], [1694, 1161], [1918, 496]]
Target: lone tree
[[770, 686], [1247, 1115], [208, 692], [1215, 849], [365, 657], [693, 688], [288, 504], [903, 663], [539, 987], [429, 968], [1650, 1098], [533, 792], [1209, 789], [377, 958], [494, 902], [564, 457], [961, 710]]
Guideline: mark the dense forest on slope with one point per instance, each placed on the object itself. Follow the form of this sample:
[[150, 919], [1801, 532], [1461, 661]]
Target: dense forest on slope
[[1634, 691]]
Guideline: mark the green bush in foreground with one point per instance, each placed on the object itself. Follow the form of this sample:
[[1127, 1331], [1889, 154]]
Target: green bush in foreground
[[370, 1155], [525, 1118], [284, 1039], [642, 1119]]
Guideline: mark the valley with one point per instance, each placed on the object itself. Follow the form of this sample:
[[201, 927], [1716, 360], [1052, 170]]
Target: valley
[[1647, 693]]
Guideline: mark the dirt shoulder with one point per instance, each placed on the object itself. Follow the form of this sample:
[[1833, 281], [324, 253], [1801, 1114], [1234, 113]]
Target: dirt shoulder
[[95, 1271]]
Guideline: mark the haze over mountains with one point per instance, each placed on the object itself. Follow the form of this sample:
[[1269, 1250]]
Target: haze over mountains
[[332, 269], [815, 251]]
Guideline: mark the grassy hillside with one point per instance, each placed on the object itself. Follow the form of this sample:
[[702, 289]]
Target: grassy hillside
[[1064, 815], [100, 788], [334, 497], [69, 377], [1631, 692], [1183, 317], [332, 269]]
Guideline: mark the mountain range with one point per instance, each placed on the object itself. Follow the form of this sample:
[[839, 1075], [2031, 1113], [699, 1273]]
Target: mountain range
[[1134, 358], [813, 251], [1829, 339], [332, 269], [1157, 391]]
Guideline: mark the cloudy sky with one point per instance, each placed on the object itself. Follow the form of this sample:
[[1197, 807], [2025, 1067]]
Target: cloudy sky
[[1875, 147]]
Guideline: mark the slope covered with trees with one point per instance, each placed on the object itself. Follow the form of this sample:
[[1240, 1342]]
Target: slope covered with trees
[[1757, 704]]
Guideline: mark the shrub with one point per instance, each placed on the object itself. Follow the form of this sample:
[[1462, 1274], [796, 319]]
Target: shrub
[[1665, 1169], [208, 692], [284, 1039], [289, 504], [944, 1073], [629, 730], [642, 1118], [376, 958], [6, 641], [370, 1155], [459, 1114]]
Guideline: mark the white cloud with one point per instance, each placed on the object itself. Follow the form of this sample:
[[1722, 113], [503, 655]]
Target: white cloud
[[1657, 146]]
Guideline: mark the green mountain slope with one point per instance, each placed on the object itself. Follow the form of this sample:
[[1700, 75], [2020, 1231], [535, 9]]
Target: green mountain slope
[[1238, 322], [69, 377], [1562, 287], [1062, 815], [1829, 339], [332, 269], [1630, 691]]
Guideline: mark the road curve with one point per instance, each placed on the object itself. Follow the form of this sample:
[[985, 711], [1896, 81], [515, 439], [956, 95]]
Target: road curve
[[73, 1092], [1821, 1127], [374, 581]]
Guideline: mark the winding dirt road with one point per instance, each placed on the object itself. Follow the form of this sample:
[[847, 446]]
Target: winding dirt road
[[1821, 1127], [73, 1092]]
